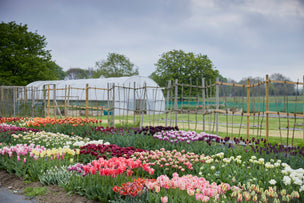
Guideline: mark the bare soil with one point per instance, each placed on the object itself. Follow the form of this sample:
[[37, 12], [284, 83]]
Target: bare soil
[[55, 194]]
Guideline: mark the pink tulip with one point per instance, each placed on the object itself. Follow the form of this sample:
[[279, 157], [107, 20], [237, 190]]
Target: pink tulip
[[205, 198], [164, 199], [24, 160], [198, 196]]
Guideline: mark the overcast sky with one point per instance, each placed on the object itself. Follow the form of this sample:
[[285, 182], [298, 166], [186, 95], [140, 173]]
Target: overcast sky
[[241, 37]]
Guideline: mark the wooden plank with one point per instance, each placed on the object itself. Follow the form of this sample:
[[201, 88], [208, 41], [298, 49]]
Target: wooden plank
[[285, 114], [286, 82], [97, 88]]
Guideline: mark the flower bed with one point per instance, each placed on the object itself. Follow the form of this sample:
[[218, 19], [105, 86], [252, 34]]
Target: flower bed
[[150, 164]]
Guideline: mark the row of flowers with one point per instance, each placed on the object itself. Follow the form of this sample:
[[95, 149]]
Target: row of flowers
[[13, 129], [183, 136], [119, 173], [75, 121], [106, 151]]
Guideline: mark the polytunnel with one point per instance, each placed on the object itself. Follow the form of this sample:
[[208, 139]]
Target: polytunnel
[[121, 94]]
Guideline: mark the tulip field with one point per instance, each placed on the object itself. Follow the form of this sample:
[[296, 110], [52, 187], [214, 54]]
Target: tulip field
[[149, 164]]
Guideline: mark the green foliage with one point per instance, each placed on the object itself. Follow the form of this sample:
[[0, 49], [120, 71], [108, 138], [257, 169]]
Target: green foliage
[[177, 64], [59, 176], [116, 65], [32, 192], [23, 57], [77, 73], [95, 187]]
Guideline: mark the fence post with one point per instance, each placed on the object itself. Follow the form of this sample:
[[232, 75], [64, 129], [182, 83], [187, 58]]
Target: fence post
[[44, 100], [25, 95], [1, 100], [267, 107], [203, 104], [65, 101], [217, 89], [48, 106], [108, 103], [68, 102], [248, 107], [143, 106], [32, 97], [134, 105], [54, 100], [168, 97], [87, 101], [14, 100], [113, 112], [175, 101], [2, 95]]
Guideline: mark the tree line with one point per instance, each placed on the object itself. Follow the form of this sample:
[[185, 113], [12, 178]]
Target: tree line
[[25, 59]]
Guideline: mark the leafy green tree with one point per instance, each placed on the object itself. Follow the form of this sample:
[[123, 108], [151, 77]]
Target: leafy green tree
[[116, 65], [279, 88], [177, 64], [23, 57], [76, 73]]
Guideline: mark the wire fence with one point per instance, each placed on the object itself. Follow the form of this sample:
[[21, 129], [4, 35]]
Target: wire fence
[[215, 107]]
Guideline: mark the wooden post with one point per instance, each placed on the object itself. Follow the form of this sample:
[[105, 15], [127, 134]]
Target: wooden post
[[217, 90], [68, 102], [48, 106], [248, 107], [113, 106], [108, 103], [1, 100], [65, 101], [32, 98], [2, 94], [14, 100], [175, 101], [44, 99], [267, 107], [143, 106], [54, 100], [168, 98], [203, 105], [25, 95], [87, 101], [134, 105]]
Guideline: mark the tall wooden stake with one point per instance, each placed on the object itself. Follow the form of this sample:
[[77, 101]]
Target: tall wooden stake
[[267, 107], [168, 97], [48, 106], [175, 101], [203, 105], [248, 106], [134, 105], [113, 106], [65, 101], [87, 101], [217, 89]]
